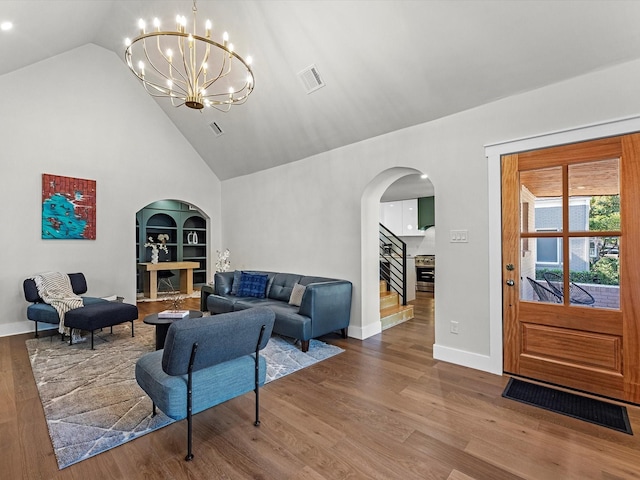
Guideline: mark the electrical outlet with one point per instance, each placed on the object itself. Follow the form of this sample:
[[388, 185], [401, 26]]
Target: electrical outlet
[[454, 327]]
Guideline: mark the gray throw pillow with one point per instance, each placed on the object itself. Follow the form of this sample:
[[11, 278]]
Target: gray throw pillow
[[296, 294]]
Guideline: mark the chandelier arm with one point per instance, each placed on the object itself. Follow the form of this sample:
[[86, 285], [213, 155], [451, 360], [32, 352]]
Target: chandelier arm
[[155, 69], [188, 81], [205, 59], [170, 64]]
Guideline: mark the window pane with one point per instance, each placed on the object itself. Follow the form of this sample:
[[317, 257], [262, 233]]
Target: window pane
[[594, 203], [541, 199], [533, 286], [594, 272], [547, 250]]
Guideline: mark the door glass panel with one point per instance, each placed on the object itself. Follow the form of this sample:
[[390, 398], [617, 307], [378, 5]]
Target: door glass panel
[[594, 202], [545, 255], [594, 271], [541, 199]]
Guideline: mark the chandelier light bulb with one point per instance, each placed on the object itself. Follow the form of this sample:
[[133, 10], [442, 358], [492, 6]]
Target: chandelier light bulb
[[249, 60], [207, 27], [127, 42], [156, 23], [230, 47], [141, 26], [225, 38], [6, 26], [169, 53]]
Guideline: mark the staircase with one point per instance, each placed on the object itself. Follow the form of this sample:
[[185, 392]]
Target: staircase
[[391, 311]]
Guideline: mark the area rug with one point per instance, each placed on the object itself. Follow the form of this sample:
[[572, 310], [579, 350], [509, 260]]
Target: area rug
[[91, 400], [577, 406]]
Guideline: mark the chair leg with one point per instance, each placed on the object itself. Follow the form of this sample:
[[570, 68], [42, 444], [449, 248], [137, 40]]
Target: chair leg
[[304, 345], [132, 333], [36, 329], [257, 376], [189, 456], [153, 410]]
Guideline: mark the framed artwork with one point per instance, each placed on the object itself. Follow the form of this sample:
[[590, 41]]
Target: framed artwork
[[68, 208]]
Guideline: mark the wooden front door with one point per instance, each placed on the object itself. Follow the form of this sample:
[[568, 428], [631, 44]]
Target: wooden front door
[[571, 265]]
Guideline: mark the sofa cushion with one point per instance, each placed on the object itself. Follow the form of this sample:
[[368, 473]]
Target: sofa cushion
[[296, 294], [43, 312], [78, 284], [290, 323], [282, 286], [253, 285], [237, 275]]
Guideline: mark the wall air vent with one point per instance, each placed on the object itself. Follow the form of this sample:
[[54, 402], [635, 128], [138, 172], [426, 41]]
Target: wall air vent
[[311, 79], [217, 131]]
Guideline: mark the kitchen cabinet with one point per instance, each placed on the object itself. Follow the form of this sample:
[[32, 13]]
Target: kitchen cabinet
[[401, 217]]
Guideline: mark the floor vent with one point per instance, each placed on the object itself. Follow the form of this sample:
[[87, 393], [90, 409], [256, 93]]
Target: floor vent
[[311, 79], [217, 131]]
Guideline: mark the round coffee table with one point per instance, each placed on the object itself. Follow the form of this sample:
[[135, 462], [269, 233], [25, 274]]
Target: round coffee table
[[163, 324]]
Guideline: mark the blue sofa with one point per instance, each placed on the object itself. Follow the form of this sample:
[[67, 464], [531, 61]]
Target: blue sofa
[[325, 305], [205, 362]]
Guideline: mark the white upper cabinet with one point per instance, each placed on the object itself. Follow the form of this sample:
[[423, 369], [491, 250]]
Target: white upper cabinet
[[401, 217]]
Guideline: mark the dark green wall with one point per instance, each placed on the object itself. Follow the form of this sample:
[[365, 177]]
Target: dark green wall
[[426, 212]]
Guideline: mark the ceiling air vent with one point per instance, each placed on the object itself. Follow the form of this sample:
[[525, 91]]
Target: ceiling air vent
[[217, 131], [311, 79]]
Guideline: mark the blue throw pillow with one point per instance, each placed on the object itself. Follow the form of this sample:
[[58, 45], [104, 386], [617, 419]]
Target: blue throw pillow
[[253, 285]]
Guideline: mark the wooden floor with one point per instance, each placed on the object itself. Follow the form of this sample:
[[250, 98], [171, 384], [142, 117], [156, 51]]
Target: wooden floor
[[384, 409]]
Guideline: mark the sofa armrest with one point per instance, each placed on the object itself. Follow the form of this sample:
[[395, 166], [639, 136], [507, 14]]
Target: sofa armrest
[[328, 304], [222, 283]]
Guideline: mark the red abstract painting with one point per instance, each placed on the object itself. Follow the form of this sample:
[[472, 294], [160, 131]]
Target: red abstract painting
[[68, 208]]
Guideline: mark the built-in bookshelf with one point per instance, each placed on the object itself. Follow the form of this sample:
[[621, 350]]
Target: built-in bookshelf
[[187, 231]]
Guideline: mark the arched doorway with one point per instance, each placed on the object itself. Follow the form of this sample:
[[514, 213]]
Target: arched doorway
[[370, 208], [181, 229]]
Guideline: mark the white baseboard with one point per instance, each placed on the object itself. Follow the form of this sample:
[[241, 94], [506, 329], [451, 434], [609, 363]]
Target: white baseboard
[[16, 328], [466, 359], [366, 332]]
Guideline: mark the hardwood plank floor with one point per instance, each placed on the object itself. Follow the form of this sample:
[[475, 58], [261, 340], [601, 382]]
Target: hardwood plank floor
[[383, 409]]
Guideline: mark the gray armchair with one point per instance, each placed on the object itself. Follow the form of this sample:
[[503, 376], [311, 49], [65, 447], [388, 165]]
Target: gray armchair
[[205, 362]]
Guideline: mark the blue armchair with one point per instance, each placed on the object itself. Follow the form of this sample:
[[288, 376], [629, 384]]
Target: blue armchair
[[207, 361]]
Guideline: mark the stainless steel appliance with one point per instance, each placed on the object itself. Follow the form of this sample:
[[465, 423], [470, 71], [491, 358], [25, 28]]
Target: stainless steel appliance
[[425, 273]]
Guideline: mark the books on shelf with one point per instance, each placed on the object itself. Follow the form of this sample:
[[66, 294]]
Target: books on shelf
[[173, 314]]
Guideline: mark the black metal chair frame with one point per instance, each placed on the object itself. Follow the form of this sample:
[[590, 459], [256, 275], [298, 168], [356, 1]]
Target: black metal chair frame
[[544, 294], [577, 294]]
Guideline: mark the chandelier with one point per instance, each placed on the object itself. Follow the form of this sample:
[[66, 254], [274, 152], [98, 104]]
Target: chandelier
[[187, 68]]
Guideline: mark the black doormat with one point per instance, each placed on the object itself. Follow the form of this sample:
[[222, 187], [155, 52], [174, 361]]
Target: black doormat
[[576, 406]]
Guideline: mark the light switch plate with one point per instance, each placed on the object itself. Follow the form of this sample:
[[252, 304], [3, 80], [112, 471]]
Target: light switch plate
[[459, 236]]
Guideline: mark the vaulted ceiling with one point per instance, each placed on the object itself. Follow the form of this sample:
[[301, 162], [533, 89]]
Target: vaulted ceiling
[[387, 64]]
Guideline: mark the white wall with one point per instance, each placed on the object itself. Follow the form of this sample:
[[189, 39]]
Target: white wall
[[305, 217], [82, 114]]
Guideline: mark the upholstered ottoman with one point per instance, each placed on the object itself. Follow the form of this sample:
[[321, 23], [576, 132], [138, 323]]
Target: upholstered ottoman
[[100, 315]]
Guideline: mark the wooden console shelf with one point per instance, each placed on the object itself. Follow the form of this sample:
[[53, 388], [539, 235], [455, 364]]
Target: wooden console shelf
[[149, 274]]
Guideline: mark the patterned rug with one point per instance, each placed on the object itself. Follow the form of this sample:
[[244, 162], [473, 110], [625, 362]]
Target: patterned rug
[[91, 400]]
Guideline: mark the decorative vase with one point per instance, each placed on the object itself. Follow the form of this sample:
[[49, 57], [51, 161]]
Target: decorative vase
[[195, 238], [154, 255]]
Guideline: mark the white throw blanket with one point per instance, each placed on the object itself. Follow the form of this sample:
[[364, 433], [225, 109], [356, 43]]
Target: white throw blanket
[[55, 289]]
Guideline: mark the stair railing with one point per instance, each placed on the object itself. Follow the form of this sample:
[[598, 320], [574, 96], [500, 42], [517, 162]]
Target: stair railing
[[393, 265]]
